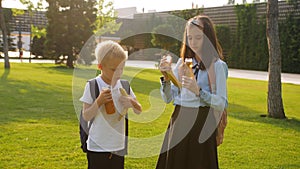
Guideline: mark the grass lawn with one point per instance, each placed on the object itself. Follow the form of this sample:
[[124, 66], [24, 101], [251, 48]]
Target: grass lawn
[[39, 126]]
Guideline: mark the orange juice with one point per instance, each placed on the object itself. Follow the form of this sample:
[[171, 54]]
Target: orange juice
[[189, 63], [109, 106]]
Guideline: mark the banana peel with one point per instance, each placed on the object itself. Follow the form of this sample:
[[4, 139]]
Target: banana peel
[[122, 114]]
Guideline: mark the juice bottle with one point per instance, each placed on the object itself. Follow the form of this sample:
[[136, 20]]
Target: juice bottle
[[109, 106], [189, 63]]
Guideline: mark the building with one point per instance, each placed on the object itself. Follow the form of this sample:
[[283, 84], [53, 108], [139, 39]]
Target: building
[[21, 26], [137, 24]]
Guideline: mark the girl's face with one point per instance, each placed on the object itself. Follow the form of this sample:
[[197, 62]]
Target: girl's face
[[195, 38]]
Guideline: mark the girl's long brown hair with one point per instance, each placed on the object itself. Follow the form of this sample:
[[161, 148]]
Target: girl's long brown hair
[[209, 32]]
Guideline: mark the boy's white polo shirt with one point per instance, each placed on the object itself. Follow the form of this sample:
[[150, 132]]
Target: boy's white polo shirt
[[107, 133]]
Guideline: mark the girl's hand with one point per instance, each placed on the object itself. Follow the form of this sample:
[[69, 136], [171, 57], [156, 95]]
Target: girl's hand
[[191, 84], [184, 70], [164, 66]]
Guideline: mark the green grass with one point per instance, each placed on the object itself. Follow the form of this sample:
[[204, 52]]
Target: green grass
[[39, 126]]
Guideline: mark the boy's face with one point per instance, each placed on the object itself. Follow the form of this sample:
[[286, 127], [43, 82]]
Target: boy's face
[[112, 70]]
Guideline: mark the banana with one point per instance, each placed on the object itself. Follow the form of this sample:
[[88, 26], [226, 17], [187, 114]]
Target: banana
[[173, 79], [123, 93]]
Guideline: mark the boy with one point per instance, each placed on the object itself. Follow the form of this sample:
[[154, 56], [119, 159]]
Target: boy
[[107, 132]]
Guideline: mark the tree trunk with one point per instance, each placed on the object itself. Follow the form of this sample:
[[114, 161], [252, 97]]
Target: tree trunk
[[70, 61], [4, 37], [275, 105]]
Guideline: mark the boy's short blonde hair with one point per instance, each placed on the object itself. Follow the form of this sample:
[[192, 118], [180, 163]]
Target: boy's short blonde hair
[[107, 50]]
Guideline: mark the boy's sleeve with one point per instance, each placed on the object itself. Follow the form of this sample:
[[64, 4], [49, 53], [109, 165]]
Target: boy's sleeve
[[87, 97]]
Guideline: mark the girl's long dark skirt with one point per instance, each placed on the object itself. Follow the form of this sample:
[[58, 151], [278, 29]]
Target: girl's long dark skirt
[[181, 148]]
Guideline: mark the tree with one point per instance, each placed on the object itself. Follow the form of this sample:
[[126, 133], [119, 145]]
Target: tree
[[275, 105], [70, 25], [163, 36], [231, 2], [37, 46], [4, 28], [4, 37], [8, 14], [35, 30], [106, 19]]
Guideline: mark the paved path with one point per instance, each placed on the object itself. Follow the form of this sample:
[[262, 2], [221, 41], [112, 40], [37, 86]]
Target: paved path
[[261, 75], [235, 73]]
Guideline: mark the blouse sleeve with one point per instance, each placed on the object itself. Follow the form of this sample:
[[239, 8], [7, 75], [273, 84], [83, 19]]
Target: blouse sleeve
[[165, 91], [168, 90], [218, 100]]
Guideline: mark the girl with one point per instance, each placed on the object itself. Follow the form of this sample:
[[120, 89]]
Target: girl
[[190, 142]]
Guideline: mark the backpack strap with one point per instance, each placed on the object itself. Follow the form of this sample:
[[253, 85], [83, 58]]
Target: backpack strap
[[126, 86], [94, 90], [223, 120]]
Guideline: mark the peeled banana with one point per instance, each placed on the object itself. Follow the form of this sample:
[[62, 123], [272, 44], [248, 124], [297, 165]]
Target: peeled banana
[[123, 93]]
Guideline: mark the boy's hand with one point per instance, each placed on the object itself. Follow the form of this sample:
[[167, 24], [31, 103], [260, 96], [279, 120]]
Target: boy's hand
[[104, 97], [126, 102], [130, 102]]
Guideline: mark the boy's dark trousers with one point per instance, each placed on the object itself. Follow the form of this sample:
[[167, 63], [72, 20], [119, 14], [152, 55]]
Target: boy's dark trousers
[[104, 160]]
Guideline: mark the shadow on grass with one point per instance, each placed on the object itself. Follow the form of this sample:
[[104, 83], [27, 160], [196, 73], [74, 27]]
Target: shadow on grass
[[144, 85], [251, 115], [57, 68], [5, 74], [33, 101]]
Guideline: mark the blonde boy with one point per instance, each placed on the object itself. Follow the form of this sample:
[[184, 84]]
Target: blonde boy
[[107, 132]]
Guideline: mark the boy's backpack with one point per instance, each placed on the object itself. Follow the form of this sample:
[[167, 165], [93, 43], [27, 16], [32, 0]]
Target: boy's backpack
[[85, 126]]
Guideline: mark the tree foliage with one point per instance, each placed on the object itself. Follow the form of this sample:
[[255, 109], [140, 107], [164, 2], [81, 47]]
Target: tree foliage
[[290, 40], [106, 19], [161, 36], [249, 46], [70, 25], [224, 36]]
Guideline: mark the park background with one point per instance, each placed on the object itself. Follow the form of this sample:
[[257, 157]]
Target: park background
[[241, 30], [39, 127]]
